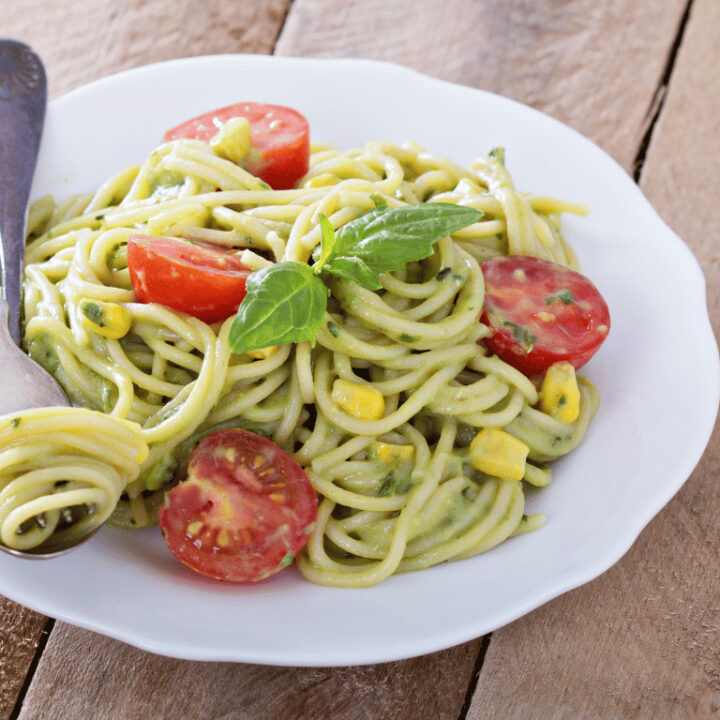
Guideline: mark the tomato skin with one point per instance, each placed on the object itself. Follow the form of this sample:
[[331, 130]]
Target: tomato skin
[[541, 313], [280, 137], [246, 509], [196, 278]]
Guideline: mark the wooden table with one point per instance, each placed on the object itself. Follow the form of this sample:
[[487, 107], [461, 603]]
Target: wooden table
[[639, 77]]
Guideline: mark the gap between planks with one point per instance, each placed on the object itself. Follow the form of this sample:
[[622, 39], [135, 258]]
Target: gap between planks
[[40, 648], [658, 99]]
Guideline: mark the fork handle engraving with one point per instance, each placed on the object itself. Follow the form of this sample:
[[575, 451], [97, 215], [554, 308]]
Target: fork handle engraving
[[23, 96]]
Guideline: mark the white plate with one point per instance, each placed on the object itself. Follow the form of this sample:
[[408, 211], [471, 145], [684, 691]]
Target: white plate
[[657, 375]]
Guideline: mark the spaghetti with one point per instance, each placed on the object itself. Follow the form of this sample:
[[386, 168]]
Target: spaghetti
[[397, 493]]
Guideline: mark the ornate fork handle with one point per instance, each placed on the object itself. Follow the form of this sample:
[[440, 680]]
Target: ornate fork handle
[[23, 95]]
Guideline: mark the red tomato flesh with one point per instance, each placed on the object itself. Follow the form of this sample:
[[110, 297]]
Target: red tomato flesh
[[541, 313], [196, 278], [280, 136], [244, 512]]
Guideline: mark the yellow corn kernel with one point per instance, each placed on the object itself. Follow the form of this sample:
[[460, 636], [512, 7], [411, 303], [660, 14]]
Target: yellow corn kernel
[[362, 401], [233, 141], [263, 353], [105, 318], [390, 453], [559, 393], [498, 453]]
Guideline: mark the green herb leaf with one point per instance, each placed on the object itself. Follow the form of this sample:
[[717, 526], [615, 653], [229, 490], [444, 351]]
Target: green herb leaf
[[93, 312], [522, 335], [327, 241], [564, 296], [285, 303], [499, 154], [387, 239], [355, 269], [388, 486], [379, 200]]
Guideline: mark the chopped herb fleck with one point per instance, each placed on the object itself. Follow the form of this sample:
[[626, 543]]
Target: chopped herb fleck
[[562, 401], [287, 559], [99, 217], [408, 338], [265, 186], [522, 335], [388, 486], [564, 296], [333, 328], [94, 313], [499, 154], [107, 399], [379, 200], [15, 422]]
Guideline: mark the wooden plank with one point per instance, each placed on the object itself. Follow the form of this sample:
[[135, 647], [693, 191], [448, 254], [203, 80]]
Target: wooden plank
[[79, 43], [90, 676], [20, 631], [88, 39], [593, 65], [642, 641], [551, 60], [85, 673]]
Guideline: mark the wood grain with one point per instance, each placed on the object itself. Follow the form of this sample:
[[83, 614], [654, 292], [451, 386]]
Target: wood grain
[[78, 43], [20, 631], [88, 39], [593, 65], [643, 641], [88, 676]]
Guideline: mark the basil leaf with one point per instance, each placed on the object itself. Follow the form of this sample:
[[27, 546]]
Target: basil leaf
[[285, 303], [327, 241], [356, 270], [387, 239]]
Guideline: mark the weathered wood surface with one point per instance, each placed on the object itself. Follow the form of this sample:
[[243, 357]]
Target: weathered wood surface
[[83, 40], [80, 42], [643, 641], [88, 676], [20, 631], [593, 65], [639, 642]]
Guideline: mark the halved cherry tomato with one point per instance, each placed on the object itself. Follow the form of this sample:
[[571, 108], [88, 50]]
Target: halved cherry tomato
[[541, 313], [244, 512], [196, 278], [280, 136]]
